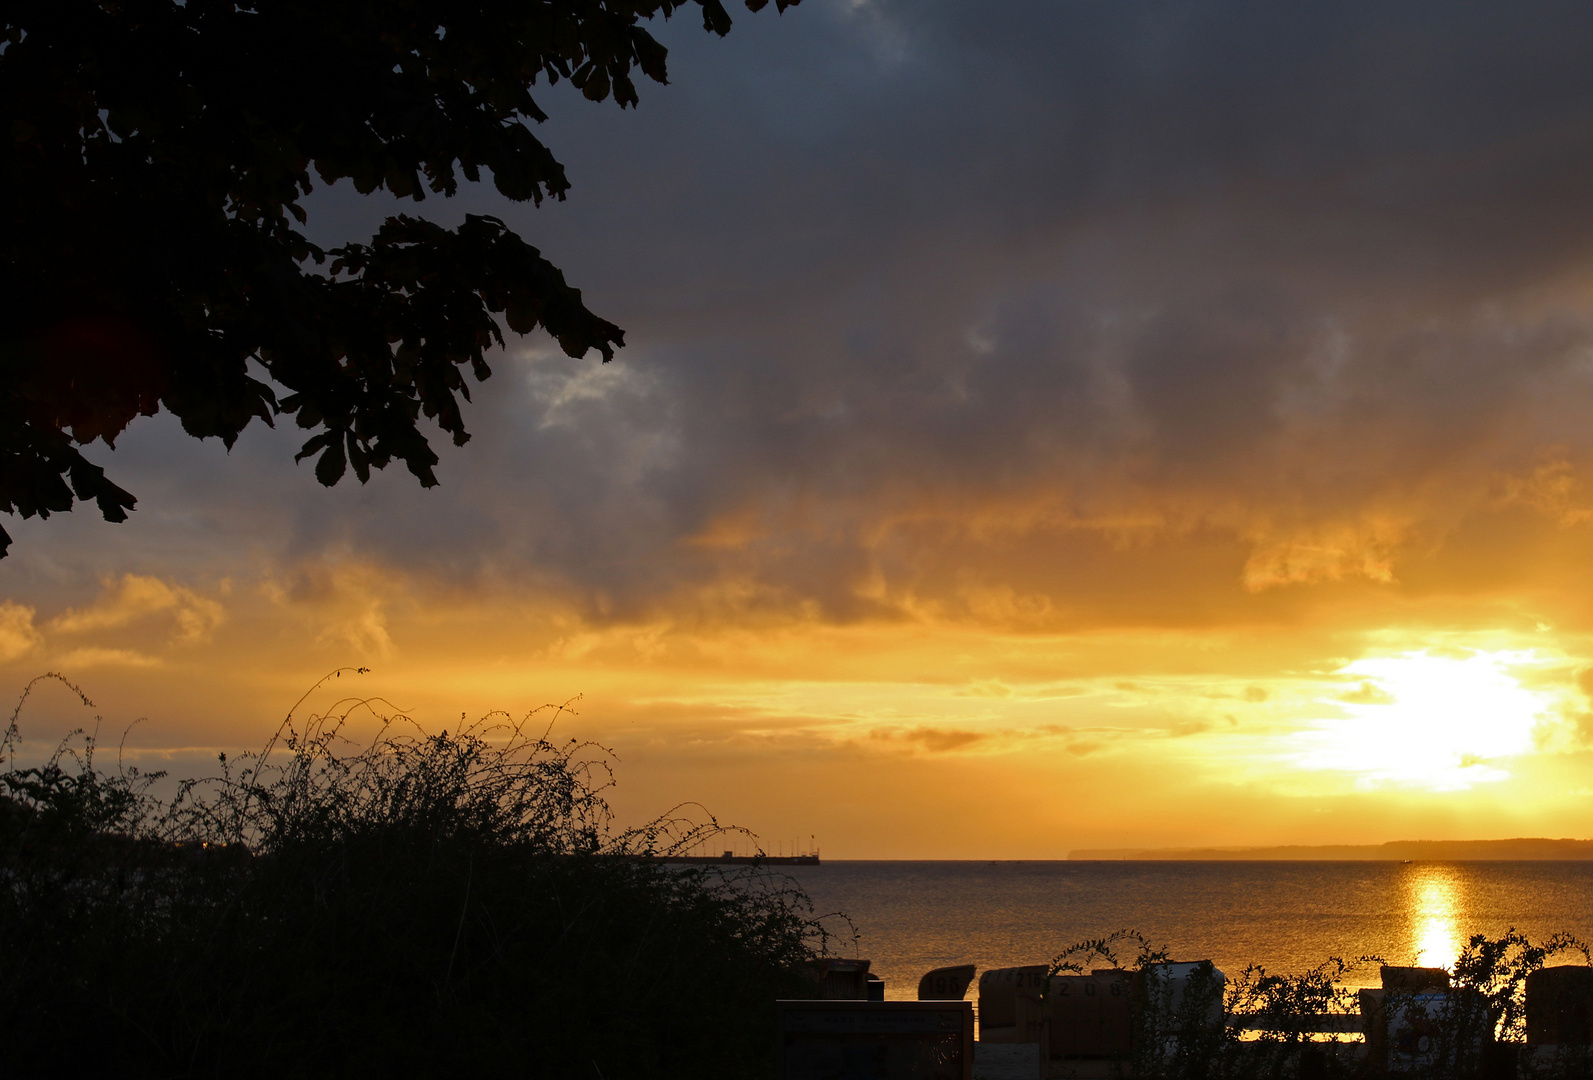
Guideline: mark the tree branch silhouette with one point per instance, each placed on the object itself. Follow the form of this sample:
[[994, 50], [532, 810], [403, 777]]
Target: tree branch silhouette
[[153, 167]]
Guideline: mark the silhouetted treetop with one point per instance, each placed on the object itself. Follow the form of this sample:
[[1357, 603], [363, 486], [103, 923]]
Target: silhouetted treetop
[[153, 159]]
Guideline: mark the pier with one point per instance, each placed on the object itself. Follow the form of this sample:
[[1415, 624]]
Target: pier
[[729, 859]]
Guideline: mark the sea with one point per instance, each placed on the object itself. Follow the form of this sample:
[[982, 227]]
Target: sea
[[908, 918]]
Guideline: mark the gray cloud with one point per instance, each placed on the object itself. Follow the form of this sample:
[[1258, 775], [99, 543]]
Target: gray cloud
[[885, 262]]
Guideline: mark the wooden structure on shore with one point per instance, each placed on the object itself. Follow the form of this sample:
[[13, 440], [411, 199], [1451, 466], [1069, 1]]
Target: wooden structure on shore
[[728, 859]]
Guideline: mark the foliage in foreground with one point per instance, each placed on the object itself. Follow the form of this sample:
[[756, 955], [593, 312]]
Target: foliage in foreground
[[1262, 1025], [154, 174], [449, 904]]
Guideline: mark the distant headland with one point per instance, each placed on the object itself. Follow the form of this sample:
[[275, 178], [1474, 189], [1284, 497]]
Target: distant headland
[[1522, 848]]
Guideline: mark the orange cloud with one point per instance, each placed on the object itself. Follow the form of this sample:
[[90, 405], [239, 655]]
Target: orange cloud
[[135, 598]]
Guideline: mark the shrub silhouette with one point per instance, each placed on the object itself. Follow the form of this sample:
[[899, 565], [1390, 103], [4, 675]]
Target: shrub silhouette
[[448, 904]]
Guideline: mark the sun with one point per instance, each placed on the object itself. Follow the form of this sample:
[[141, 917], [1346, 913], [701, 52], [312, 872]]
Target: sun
[[1442, 721]]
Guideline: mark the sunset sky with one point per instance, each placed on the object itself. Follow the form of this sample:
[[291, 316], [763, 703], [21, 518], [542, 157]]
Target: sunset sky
[[1042, 426]]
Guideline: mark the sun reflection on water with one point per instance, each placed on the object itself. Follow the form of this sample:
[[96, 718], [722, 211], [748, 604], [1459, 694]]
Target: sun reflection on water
[[1433, 903]]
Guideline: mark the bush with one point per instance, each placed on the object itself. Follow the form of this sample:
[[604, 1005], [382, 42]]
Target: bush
[[425, 905]]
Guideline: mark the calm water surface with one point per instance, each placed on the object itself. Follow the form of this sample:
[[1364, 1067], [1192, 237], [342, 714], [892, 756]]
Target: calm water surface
[[1285, 916]]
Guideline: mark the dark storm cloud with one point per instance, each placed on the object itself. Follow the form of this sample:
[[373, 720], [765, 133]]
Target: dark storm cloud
[[901, 261]]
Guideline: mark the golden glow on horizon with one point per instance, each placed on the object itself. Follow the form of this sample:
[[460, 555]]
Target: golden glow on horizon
[[1434, 914], [1330, 734], [1434, 720]]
